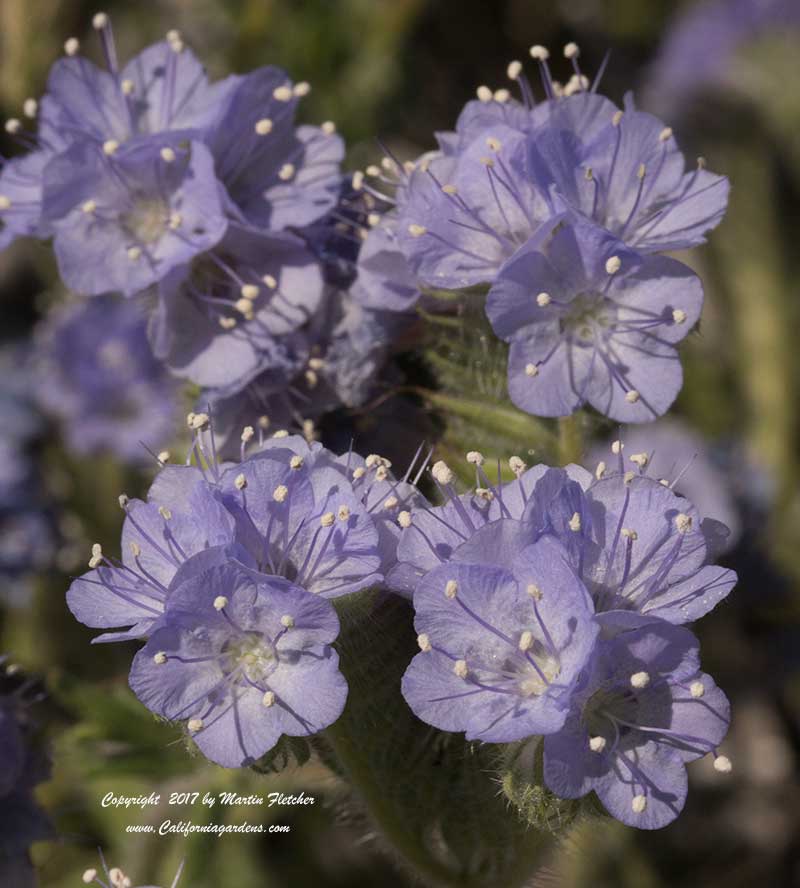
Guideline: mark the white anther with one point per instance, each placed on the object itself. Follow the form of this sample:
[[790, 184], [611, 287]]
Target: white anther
[[281, 433], [487, 161], [664, 482], [13, 126], [172, 35], [269, 281], [167, 154], [597, 744], [280, 493], [249, 291], [697, 689], [617, 118], [97, 555], [613, 264], [628, 477], [574, 523], [136, 550], [358, 180], [424, 642], [381, 473], [449, 189], [501, 96], [543, 300], [534, 591], [516, 465], [665, 134], [195, 725], [328, 519], [5, 202], [641, 172], [701, 163], [416, 230], [99, 21], [123, 500], [388, 164], [514, 69], [220, 602], [450, 589], [493, 144], [296, 462], [540, 53], [460, 668], [302, 89], [442, 473], [640, 459], [268, 699], [475, 457], [127, 86], [286, 172], [89, 206], [638, 804], [391, 502], [287, 621], [175, 220], [164, 512], [571, 51], [244, 307], [526, 640], [197, 421], [89, 876], [600, 470], [723, 764], [110, 146], [343, 513], [632, 396], [484, 93], [248, 432], [683, 522], [134, 253], [72, 46], [30, 108], [374, 219], [328, 127], [117, 877], [164, 456], [240, 482], [263, 127], [640, 680], [629, 534], [617, 447], [679, 315], [373, 170], [282, 93], [404, 519]]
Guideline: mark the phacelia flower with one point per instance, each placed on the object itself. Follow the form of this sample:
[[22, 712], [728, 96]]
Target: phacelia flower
[[97, 375], [644, 710], [501, 648], [243, 658], [590, 321]]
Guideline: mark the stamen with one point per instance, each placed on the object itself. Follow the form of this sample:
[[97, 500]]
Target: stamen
[[484, 93], [268, 699], [535, 592], [110, 147], [328, 127], [302, 89], [97, 556], [287, 621], [424, 642], [416, 230], [282, 93], [600, 470], [526, 640], [280, 493], [460, 668], [404, 519], [597, 744], [343, 513], [543, 300], [683, 522], [442, 473], [164, 512], [263, 127], [475, 457], [127, 86], [195, 725], [638, 804], [640, 459], [640, 680], [665, 134], [240, 482], [514, 70], [632, 396], [613, 265], [574, 523], [679, 315], [723, 764], [450, 589], [134, 253], [72, 46], [328, 519], [30, 107], [286, 172], [160, 658], [540, 53], [516, 465], [89, 876], [220, 602], [697, 689], [296, 462]]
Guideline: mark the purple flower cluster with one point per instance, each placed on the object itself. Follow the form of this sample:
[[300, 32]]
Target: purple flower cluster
[[97, 375], [227, 570], [554, 605], [561, 208]]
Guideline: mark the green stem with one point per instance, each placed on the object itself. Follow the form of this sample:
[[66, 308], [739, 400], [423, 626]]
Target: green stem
[[570, 439]]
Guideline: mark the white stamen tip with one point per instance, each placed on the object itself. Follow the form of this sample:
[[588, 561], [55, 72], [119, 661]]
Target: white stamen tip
[[450, 589], [613, 264], [617, 447], [424, 642], [281, 433], [526, 640], [328, 519], [575, 522], [123, 500], [302, 89], [30, 107], [240, 482], [640, 459], [514, 69], [268, 699], [665, 134], [493, 144], [450, 189], [136, 550], [723, 764], [250, 291], [597, 744], [97, 555], [516, 465], [540, 53], [13, 125], [172, 35], [391, 502], [484, 94], [127, 86], [416, 230], [328, 127], [629, 534], [358, 180], [280, 493], [697, 689], [442, 472], [543, 300], [632, 396], [263, 127], [502, 96], [167, 155], [617, 118], [638, 804], [110, 147], [641, 172], [534, 591], [89, 876], [286, 172], [220, 602], [296, 462], [600, 470], [571, 51], [248, 432], [195, 725], [164, 456], [640, 680], [460, 668], [282, 93], [343, 513], [679, 315], [89, 206], [683, 522], [197, 421], [404, 519], [5, 202], [287, 621], [164, 512], [531, 370], [160, 658], [72, 46], [99, 21], [475, 457], [628, 477]]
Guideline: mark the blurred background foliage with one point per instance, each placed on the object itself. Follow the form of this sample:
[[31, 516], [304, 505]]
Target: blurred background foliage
[[398, 70]]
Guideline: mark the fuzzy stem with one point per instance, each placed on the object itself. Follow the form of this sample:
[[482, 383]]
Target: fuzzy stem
[[570, 439]]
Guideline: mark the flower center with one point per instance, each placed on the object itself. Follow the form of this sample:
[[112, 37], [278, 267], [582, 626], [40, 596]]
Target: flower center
[[148, 219], [586, 317], [254, 655]]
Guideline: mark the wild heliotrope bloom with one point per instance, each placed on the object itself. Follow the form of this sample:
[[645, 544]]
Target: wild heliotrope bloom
[[642, 712], [242, 658], [97, 375], [501, 648], [590, 321]]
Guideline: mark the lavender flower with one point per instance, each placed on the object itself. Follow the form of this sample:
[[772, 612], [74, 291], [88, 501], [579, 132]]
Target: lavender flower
[[501, 649], [588, 320], [97, 375], [644, 710], [244, 658]]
